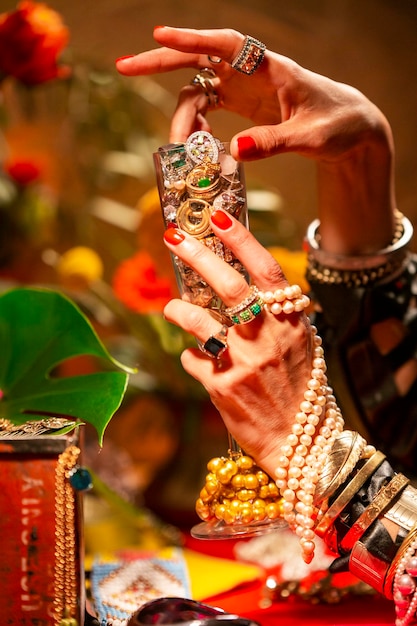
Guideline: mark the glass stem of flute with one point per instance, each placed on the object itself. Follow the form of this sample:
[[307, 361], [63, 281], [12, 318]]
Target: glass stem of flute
[[234, 448]]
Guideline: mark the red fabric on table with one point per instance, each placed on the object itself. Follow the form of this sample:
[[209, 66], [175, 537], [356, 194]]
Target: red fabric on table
[[244, 601]]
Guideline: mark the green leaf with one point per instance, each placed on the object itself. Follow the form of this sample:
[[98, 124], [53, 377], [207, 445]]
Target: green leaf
[[39, 330]]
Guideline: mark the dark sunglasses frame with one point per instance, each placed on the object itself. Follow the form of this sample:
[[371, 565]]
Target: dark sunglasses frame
[[173, 611]]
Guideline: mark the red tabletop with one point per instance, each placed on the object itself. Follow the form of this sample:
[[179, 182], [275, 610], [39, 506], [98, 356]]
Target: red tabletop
[[245, 601]]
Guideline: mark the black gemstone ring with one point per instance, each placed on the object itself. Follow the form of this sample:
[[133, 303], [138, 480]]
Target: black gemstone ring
[[216, 345]]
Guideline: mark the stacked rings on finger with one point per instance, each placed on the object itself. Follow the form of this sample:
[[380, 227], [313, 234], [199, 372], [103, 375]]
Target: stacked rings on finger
[[204, 79], [288, 300], [216, 344], [250, 57], [246, 310]]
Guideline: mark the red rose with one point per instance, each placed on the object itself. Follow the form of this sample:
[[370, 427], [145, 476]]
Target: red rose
[[31, 39], [23, 172]]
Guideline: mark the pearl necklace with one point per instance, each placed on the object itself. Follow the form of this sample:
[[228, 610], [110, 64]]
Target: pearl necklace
[[304, 454], [405, 588]]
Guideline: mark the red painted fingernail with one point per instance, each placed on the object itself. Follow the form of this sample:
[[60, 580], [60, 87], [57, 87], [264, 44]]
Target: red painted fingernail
[[173, 236], [128, 56], [221, 219], [247, 147], [158, 26]]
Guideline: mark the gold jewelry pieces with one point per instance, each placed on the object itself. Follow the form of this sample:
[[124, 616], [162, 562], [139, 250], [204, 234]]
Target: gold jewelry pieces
[[343, 499], [287, 300], [65, 578], [250, 57], [237, 491], [204, 79], [216, 345], [204, 181], [246, 310], [193, 217], [357, 271], [32, 428], [382, 499], [303, 455]]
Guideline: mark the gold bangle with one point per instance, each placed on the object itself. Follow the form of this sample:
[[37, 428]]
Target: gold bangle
[[373, 510], [340, 463], [389, 579], [404, 510], [368, 567], [348, 492]]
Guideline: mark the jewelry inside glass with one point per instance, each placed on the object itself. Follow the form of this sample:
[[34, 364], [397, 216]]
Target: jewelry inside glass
[[194, 178]]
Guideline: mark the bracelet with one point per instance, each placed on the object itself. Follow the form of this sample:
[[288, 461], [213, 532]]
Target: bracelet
[[288, 300], [397, 561], [357, 271], [382, 499], [367, 567], [404, 511], [347, 450], [348, 492], [404, 586]]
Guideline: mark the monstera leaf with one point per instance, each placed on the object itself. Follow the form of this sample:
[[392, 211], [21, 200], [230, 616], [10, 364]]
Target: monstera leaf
[[39, 330]]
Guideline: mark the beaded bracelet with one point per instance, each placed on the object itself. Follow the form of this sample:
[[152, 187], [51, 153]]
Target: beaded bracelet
[[288, 300], [357, 271], [405, 585]]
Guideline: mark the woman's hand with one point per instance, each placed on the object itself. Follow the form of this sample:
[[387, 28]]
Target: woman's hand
[[293, 110], [264, 372]]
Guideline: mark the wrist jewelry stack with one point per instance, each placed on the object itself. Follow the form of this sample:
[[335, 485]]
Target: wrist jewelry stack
[[357, 271]]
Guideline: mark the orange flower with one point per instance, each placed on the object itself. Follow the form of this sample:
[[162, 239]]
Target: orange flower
[[137, 284], [31, 39]]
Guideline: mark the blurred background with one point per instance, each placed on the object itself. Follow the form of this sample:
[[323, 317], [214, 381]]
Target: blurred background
[[90, 140], [370, 45]]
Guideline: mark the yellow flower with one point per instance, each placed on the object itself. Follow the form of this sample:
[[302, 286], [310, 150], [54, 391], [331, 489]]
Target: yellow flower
[[79, 267], [293, 264]]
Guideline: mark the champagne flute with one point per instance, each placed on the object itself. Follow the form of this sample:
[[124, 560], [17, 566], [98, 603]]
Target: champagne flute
[[194, 178]]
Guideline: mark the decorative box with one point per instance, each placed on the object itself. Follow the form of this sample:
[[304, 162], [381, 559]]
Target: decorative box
[[41, 564]]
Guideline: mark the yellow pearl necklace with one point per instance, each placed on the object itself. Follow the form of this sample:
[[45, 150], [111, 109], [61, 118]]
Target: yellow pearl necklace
[[237, 491]]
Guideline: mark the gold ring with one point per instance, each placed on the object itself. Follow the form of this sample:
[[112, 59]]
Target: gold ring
[[247, 310], [204, 79]]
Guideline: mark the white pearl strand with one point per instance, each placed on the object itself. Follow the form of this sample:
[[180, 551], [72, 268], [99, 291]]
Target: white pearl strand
[[404, 588], [303, 456], [288, 300]]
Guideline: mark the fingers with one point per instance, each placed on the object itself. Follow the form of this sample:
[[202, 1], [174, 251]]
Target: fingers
[[189, 115], [183, 47], [224, 43], [192, 318], [229, 284], [232, 288], [155, 62]]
